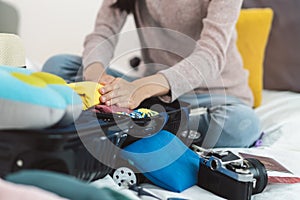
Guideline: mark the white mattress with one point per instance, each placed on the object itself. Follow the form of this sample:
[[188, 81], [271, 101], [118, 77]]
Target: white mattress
[[280, 117]]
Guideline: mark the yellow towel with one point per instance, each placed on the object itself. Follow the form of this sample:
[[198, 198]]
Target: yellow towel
[[88, 91]]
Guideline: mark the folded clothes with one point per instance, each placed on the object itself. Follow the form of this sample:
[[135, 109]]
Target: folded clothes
[[165, 160], [88, 91], [140, 113], [64, 185], [136, 114], [12, 191]]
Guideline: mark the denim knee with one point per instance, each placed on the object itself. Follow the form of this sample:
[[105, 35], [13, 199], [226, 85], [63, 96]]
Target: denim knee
[[241, 128], [66, 66], [234, 125]]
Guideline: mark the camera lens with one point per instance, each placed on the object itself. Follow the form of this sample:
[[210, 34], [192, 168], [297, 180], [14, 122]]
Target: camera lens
[[214, 164], [259, 173]]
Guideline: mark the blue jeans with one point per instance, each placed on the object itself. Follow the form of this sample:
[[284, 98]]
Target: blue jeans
[[228, 122]]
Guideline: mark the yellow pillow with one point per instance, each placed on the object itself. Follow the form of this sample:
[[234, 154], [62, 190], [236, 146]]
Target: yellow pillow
[[253, 27]]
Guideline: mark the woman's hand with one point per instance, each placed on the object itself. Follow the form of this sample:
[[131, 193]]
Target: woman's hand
[[106, 79], [130, 94], [95, 72], [122, 93]]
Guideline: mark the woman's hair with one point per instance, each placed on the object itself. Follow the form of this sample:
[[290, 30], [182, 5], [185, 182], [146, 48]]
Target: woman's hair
[[127, 5]]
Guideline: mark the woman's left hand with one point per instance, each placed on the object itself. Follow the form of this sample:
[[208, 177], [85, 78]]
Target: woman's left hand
[[130, 94], [122, 93]]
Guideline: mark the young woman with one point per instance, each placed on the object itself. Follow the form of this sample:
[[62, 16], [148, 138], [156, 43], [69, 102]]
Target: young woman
[[189, 50]]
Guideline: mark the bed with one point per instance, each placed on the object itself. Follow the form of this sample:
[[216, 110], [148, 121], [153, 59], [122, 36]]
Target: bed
[[280, 117], [279, 114]]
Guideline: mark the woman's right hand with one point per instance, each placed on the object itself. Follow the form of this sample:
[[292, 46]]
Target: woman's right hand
[[106, 79], [96, 72]]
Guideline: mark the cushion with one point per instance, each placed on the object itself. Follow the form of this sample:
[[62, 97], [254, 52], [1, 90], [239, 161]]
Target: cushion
[[253, 29], [282, 60], [164, 160]]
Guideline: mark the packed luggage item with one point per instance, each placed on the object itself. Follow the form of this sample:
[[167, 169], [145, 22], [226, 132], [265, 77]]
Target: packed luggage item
[[153, 115], [162, 123], [35, 100], [88, 92], [85, 149], [65, 186], [163, 159], [13, 191]]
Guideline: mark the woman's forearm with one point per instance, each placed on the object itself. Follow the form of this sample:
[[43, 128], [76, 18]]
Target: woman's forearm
[[96, 73], [155, 85]]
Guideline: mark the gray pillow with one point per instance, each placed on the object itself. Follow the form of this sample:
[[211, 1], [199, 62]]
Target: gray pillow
[[282, 61]]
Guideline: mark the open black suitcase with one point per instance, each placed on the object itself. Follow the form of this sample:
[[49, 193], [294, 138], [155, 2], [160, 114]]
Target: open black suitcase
[[85, 149]]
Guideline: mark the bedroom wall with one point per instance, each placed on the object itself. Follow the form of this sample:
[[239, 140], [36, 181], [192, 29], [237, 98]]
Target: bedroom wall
[[49, 27]]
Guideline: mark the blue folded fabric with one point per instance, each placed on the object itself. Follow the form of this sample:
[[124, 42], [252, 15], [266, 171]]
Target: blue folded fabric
[[165, 160]]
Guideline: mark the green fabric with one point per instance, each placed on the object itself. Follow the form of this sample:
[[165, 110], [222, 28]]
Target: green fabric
[[64, 185]]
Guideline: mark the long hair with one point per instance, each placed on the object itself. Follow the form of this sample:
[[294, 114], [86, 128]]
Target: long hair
[[127, 5]]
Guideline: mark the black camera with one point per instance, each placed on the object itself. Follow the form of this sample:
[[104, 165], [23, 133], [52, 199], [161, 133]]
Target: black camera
[[230, 176]]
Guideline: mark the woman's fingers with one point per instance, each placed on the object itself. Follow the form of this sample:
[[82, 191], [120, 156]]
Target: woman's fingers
[[115, 84], [109, 91], [123, 102], [119, 101], [126, 101], [116, 89], [106, 79], [120, 93], [111, 95]]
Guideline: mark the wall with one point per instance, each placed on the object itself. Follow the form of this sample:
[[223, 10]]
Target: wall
[[49, 27], [9, 18]]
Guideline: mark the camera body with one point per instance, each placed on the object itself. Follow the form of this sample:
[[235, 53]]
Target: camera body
[[230, 176]]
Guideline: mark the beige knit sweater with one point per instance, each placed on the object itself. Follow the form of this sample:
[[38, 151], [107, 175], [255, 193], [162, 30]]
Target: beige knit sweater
[[191, 42]]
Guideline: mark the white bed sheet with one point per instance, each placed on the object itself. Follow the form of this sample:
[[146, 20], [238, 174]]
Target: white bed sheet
[[280, 120]]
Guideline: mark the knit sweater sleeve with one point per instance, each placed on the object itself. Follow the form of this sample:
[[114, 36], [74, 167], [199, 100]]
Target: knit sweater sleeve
[[209, 56], [100, 44]]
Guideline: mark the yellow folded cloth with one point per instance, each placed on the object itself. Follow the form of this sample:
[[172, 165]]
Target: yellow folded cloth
[[88, 91]]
